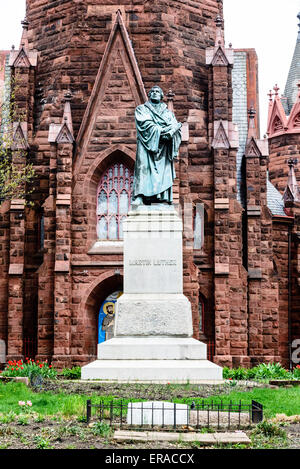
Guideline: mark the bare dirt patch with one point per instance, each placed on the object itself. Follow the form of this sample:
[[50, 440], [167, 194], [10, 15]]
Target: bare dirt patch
[[145, 391]]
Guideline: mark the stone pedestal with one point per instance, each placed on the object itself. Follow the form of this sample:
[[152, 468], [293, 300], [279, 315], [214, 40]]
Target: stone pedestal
[[153, 326]]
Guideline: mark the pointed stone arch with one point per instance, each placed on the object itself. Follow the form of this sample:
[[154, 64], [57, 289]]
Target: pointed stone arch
[[277, 125], [118, 64], [19, 140], [22, 59], [91, 300], [294, 117], [220, 58], [296, 121], [221, 140], [252, 149], [277, 119], [100, 163], [85, 189]]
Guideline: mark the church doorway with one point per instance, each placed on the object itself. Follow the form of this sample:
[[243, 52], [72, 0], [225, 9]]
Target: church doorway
[[106, 318], [95, 306]]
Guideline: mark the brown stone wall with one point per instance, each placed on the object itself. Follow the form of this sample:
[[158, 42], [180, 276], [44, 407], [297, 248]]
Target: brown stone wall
[[169, 42], [282, 148], [64, 281], [295, 276], [280, 249], [4, 263]]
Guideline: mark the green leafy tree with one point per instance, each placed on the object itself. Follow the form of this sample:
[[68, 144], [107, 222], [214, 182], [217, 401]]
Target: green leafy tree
[[16, 173]]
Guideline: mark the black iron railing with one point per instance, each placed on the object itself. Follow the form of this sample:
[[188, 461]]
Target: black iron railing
[[172, 416]]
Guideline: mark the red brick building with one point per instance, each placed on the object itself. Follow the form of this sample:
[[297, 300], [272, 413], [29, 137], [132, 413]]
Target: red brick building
[[84, 65]]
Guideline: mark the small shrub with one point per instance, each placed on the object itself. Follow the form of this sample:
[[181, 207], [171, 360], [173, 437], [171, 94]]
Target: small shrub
[[23, 419], [234, 373], [269, 429], [81, 418], [42, 443], [262, 371], [75, 430], [101, 428], [39, 418], [271, 370], [8, 418], [72, 373]]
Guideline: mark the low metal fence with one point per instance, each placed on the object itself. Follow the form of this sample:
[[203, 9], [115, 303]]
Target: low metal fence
[[172, 416]]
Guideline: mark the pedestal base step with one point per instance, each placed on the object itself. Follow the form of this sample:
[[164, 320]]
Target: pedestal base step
[[154, 371], [152, 348]]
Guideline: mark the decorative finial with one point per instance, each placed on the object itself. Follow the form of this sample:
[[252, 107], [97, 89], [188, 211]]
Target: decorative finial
[[230, 45], [13, 47], [251, 112], [25, 23], [270, 94], [276, 89], [170, 95], [292, 191], [68, 95], [219, 42], [251, 127], [170, 99], [292, 162], [219, 21]]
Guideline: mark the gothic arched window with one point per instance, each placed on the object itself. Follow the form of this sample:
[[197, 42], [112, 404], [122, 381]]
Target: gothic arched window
[[113, 201], [199, 226], [201, 314]]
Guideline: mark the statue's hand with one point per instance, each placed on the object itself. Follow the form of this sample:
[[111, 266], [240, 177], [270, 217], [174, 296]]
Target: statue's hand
[[166, 137]]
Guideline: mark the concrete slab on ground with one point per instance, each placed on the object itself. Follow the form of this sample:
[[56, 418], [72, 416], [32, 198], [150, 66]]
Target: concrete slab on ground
[[205, 438]]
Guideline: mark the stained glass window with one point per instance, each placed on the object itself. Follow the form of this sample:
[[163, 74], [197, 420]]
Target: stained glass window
[[113, 201]]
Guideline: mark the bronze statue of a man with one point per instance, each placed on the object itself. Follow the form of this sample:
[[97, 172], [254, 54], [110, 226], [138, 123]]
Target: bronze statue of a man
[[158, 141]]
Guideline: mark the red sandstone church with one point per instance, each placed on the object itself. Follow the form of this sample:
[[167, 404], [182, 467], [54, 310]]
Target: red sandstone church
[[83, 67]]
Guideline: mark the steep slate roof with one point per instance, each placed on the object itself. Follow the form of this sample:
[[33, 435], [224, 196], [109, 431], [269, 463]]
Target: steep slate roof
[[274, 199], [240, 116], [239, 110], [290, 92]]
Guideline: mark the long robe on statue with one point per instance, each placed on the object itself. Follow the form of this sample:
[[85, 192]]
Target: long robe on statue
[[158, 141]]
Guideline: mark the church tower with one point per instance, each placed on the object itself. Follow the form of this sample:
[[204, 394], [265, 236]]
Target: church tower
[[84, 66]]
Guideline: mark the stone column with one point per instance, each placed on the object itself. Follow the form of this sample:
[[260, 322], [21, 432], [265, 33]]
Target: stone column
[[15, 283], [263, 304], [62, 287], [229, 273]]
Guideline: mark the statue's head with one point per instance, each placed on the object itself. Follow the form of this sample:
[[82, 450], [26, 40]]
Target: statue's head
[[156, 94]]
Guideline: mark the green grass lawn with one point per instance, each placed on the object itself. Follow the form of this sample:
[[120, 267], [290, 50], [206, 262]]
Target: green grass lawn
[[275, 401], [42, 403]]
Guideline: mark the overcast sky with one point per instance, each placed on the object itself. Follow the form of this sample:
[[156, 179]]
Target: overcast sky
[[269, 26]]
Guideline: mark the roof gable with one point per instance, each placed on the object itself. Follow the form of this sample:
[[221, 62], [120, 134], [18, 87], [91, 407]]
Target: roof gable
[[118, 52]]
